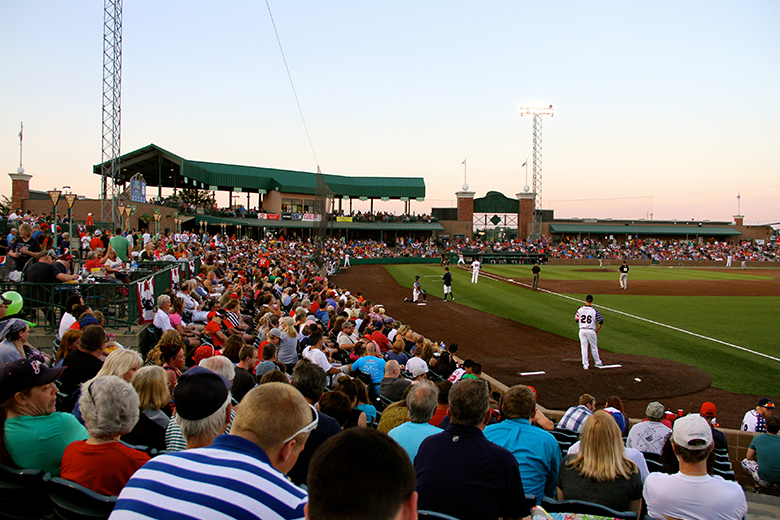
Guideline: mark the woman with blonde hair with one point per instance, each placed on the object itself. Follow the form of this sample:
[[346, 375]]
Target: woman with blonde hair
[[121, 363], [600, 471], [288, 346], [151, 384]]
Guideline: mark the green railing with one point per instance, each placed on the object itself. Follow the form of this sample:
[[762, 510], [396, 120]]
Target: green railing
[[44, 304], [394, 260]]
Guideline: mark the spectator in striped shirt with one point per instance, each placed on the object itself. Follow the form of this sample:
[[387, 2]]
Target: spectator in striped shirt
[[241, 475], [574, 417]]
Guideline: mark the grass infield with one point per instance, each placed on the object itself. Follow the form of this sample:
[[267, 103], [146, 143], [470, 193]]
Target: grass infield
[[749, 322]]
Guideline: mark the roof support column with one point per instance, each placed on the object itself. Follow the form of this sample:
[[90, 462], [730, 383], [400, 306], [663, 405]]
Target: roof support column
[[159, 177]]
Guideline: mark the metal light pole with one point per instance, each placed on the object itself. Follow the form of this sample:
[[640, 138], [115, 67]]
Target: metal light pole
[[537, 112], [70, 198], [54, 195], [157, 217]]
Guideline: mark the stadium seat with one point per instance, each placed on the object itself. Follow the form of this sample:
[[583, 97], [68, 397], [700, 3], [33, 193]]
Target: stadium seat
[[585, 508], [434, 515], [565, 438], [654, 461], [20, 494], [73, 501]]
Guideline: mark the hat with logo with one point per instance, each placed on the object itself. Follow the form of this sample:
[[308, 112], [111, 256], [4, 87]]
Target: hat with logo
[[21, 374], [767, 403], [692, 432]]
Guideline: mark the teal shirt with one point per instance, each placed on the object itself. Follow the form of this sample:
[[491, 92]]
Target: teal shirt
[[39, 442], [536, 450], [768, 454], [119, 244]]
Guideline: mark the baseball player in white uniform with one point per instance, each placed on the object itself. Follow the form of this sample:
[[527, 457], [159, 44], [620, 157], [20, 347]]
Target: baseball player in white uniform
[[461, 261], [417, 291], [475, 271], [590, 322]]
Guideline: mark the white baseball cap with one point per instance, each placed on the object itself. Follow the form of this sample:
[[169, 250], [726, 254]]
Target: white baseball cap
[[691, 429]]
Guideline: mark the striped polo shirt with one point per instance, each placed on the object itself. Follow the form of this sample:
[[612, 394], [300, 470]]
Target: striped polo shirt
[[232, 478]]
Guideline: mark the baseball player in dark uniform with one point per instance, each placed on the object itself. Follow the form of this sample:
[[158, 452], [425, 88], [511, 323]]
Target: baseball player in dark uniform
[[417, 291], [447, 277], [623, 275], [536, 270]]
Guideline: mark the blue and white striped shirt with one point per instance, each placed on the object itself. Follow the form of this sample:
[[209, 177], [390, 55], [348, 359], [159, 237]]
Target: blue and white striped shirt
[[231, 479]]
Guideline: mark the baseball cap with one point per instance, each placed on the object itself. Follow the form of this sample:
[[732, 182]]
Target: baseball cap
[[21, 374], [767, 403], [66, 256], [589, 298], [275, 332], [200, 392], [417, 366], [708, 409], [97, 232], [88, 320], [655, 410], [690, 431]]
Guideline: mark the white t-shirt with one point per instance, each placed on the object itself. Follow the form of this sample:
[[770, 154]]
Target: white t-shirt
[[648, 436], [693, 498], [317, 357]]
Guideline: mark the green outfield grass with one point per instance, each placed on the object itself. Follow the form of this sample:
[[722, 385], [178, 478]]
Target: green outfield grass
[[749, 322], [610, 272]]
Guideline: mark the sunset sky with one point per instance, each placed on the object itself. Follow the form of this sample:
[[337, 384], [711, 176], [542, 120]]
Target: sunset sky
[[663, 108]]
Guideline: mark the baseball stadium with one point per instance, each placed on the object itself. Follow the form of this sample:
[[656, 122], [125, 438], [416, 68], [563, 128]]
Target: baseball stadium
[[211, 338]]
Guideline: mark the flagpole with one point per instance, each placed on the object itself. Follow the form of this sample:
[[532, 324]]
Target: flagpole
[[21, 132], [464, 171], [739, 203]]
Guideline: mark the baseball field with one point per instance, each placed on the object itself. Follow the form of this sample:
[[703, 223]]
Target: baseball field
[[685, 334]]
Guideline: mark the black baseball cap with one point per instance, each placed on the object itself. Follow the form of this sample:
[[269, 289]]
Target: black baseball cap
[[200, 392], [21, 374], [589, 298]]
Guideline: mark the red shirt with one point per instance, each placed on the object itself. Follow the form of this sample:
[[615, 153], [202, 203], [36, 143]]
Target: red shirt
[[95, 243], [213, 327], [103, 468]]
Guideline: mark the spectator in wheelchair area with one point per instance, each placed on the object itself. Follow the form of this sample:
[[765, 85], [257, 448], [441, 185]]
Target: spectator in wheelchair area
[[373, 457], [762, 461], [692, 493], [109, 406]]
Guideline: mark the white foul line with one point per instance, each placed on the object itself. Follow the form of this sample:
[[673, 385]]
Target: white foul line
[[501, 279]]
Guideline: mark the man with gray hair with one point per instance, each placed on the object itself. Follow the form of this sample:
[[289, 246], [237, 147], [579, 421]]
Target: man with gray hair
[[421, 403], [161, 319], [649, 436], [203, 408], [460, 473]]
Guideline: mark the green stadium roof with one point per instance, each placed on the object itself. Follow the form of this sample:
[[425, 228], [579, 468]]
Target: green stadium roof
[[162, 168], [642, 229], [300, 224]]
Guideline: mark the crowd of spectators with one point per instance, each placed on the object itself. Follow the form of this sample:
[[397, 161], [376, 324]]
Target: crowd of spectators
[[635, 249], [262, 358]]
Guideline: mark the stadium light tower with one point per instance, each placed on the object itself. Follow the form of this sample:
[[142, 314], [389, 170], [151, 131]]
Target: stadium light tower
[[537, 112], [112, 111]]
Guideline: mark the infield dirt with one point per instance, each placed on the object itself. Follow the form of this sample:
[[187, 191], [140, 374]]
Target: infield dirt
[[506, 348]]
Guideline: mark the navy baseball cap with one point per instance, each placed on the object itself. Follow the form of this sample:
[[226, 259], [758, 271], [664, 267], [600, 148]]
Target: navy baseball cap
[[589, 298], [21, 374], [200, 392]]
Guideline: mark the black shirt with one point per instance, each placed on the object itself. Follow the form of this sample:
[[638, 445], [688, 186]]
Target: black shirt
[[32, 245], [81, 367], [41, 272], [242, 383]]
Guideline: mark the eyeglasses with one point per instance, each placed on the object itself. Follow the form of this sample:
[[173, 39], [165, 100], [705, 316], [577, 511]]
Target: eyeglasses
[[306, 429]]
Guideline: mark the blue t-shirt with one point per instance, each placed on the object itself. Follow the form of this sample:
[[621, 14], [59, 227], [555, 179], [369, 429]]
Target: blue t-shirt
[[410, 435], [373, 366]]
